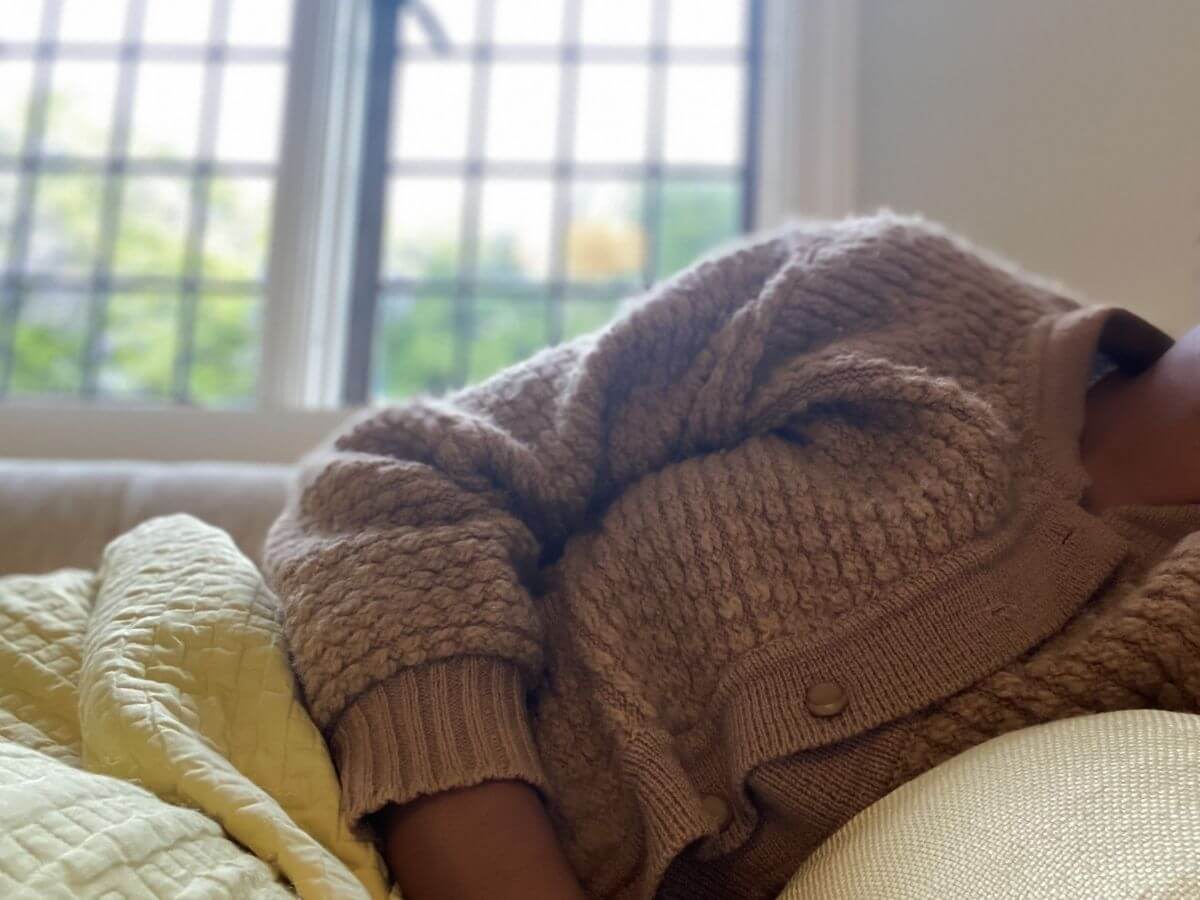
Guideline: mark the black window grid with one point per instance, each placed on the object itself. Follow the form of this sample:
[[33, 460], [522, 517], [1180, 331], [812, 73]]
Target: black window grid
[[16, 281], [563, 170]]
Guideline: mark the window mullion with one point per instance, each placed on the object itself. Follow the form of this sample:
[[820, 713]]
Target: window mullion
[[564, 168], [372, 195], [22, 226], [652, 198], [468, 242], [206, 143], [114, 183], [314, 218], [752, 114]]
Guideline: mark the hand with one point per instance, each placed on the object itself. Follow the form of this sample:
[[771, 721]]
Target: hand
[[491, 841]]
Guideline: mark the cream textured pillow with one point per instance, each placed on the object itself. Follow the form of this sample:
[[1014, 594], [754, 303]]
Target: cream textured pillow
[[1098, 806]]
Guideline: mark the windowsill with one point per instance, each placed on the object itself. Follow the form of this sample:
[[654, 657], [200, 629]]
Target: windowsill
[[77, 431]]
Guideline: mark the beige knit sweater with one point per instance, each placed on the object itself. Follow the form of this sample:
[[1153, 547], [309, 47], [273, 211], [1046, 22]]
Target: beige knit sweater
[[801, 524]]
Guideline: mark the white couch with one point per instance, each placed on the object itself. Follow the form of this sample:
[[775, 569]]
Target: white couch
[[61, 514]]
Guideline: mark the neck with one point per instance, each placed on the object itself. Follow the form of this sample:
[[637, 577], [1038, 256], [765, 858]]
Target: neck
[[1141, 437]]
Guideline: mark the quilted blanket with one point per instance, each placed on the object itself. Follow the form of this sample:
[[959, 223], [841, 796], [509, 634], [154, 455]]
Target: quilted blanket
[[152, 742]]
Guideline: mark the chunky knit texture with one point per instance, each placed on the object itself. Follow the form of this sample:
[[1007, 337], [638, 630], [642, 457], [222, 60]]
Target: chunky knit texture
[[1137, 646], [843, 453]]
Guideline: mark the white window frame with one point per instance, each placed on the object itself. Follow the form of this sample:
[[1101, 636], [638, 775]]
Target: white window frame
[[312, 248], [807, 155], [808, 110]]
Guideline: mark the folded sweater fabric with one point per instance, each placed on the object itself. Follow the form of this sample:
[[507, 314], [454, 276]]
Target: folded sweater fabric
[[801, 523]]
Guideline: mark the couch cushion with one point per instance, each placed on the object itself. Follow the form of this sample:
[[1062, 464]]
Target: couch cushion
[[62, 514], [1097, 806]]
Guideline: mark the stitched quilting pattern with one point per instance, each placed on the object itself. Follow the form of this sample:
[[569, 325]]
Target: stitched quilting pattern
[[152, 741]]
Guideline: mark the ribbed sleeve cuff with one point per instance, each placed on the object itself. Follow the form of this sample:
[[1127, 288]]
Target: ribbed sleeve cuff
[[449, 724]]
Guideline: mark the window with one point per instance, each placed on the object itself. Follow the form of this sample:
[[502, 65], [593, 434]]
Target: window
[[541, 168], [138, 150], [519, 168]]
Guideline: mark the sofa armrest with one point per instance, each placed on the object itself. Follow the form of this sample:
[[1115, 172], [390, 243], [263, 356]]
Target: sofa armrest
[[59, 514]]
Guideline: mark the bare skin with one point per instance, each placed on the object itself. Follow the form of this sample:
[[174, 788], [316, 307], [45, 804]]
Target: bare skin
[[493, 840], [1141, 438], [1141, 444]]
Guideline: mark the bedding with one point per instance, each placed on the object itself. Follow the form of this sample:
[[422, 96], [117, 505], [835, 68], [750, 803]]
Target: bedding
[[152, 739]]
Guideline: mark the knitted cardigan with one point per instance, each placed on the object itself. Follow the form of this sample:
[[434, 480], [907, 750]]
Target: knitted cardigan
[[794, 528]]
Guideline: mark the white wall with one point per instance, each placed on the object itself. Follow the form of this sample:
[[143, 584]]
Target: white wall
[[1062, 133]]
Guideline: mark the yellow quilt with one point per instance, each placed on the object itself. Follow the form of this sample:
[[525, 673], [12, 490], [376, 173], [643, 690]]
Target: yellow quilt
[[152, 742]]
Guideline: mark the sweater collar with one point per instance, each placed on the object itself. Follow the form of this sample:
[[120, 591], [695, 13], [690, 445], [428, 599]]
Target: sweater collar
[[1065, 352]]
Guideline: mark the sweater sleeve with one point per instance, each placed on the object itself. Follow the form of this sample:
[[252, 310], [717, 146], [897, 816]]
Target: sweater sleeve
[[404, 565]]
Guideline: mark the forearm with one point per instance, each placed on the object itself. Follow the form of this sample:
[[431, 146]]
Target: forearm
[[491, 841]]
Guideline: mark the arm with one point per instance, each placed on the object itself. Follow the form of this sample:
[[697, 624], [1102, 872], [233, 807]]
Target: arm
[[1141, 432], [493, 840], [405, 562], [402, 564]]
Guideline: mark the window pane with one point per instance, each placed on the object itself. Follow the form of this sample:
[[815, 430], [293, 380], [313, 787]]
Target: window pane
[[92, 21], [8, 199], [48, 344], [153, 222], [251, 112], [261, 23], [421, 233], [225, 362], [723, 24], [584, 315], [696, 216], [65, 224], [514, 229], [605, 239], [515, 25], [414, 344], [166, 110], [139, 345], [14, 103], [238, 232], [506, 330], [429, 113], [457, 18], [149, 236], [611, 122], [607, 253], [21, 21], [524, 111], [79, 117], [703, 114], [172, 22], [616, 21]]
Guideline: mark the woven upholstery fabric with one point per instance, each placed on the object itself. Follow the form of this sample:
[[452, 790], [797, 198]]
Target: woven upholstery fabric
[[59, 514], [1097, 806]]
